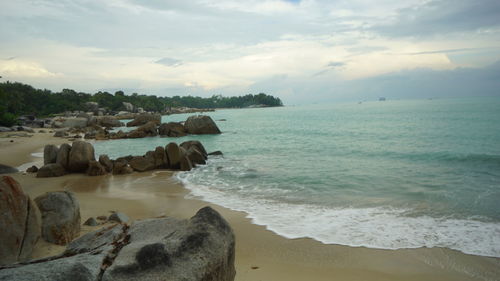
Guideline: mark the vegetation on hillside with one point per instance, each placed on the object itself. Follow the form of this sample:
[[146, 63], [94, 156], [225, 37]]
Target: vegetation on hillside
[[20, 99]]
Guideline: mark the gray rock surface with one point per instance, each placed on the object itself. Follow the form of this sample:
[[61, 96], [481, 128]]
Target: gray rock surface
[[109, 121], [61, 133], [63, 155], [80, 155], [32, 169], [185, 163], [118, 217], [136, 134], [149, 129], [201, 124], [60, 216], [76, 122], [160, 158], [106, 162], [141, 163], [4, 169], [174, 155], [20, 222], [5, 129], [188, 144], [121, 168], [172, 129], [91, 222], [50, 170], [144, 118], [195, 156], [50, 154], [96, 169]]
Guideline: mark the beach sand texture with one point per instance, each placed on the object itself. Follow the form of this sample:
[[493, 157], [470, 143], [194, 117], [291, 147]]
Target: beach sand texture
[[260, 254]]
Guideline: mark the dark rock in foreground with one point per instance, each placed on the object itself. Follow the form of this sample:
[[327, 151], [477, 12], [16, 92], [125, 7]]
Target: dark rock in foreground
[[199, 249], [50, 170], [20, 222]]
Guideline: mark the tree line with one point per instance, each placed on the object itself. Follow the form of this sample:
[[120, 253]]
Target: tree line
[[18, 99]]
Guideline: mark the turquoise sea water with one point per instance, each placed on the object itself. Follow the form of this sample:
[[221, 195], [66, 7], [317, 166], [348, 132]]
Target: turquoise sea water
[[393, 174]]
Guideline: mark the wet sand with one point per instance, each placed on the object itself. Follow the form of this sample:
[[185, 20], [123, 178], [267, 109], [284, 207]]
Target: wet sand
[[260, 254]]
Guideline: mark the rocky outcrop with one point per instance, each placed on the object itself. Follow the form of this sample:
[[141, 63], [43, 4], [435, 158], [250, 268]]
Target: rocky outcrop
[[118, 217], [32, 169], [172, 129], [50, 154], [160, 158], [50, 170], [128, 106], [174, 155], [106, 162], [61, 133], [4, 169], [80, 155], [60, 216], [20, 222], [201, 124], [63, 155], [121, 168], [141, 163], [136, 134], [96, 169], [91, 106], [109, 121], [196, 144], [144, 118], [149, 128], [77, 122], [199, 249]]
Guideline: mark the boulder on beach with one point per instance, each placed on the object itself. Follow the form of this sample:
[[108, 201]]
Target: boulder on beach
[[91, 222], [50, 154], [20, 223], [32, 169], [96, 169], [160, 158], [60, 216], [75, 122], [172, 129], [63, 155], [80, 155], [149, 129], [109, 121], [4, 169], [121, 168], [201, 124], [195, 156], [194, 143], [174, 155], [141, 163], [144, 118], [51, 170], [61, 133], [118, 217], [106, 162]]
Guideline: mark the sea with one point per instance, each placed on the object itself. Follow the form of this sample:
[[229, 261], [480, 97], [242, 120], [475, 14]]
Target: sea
[[380, 174]]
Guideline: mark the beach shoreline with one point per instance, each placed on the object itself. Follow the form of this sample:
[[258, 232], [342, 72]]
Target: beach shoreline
[[260, 253]]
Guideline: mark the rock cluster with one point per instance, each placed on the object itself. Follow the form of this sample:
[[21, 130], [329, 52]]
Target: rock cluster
[[201, 248]]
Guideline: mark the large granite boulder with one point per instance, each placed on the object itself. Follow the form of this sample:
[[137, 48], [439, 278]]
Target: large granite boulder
[[63, 155], [106, 162], [201, 124], [128, 106], [195, 156], [136, 134], [144, 118], [60, 216], [50, 154], [160, 158], [149, 128], [91, 106], [121, 168], [141, 163], [174, 155], [20, 222], [4, 169], [194, 143], [108, 121], [76, 122], [80, 155], [96, 169], [172, 129], [51, 170]]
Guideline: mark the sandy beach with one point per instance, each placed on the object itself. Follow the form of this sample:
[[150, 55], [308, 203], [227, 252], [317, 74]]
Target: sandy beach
[[260, 254]]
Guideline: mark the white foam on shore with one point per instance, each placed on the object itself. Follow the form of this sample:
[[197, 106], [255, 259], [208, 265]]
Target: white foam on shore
[[379, 227]]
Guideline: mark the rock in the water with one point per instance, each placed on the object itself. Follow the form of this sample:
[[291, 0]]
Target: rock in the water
[[195, 156], [60, 216], [141, 164], [4, 169], [106, 162], [201, 124], [118, 217], [50, 170], [91, 222], [185, 163], [109, 121], [50, 154], [194, 143], [121, 168], [160, 158], [96, 169], [136, 134], [61, 133], [172, 129], [77, 122], [144, 118], [20, 223], [199, 249], [63, 155], [149, 128], [80, 155], [32, 169], [216, 153], [174, 155]]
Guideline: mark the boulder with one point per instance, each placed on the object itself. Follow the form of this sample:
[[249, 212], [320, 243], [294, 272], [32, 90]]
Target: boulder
[[61, 133], [106, 162], [91, 106], [195, 156], [172, 129], [118, 135], [201, 124], [4, 169], [160, 158], [63, 155], [50, 170], [135, 134], [128, 106], [60, 216], [91, 222], [80, 155], [149, 128], [76, 122], [109, 121], [32, 169], [25, 129], [144, 118], [201, 248], [50, 154], [216, 153], [141, 163], [194, 143], [96, 169], [174, 155], [121, 168], [5, 129], [20, 223], [118, 217], [185, 163]]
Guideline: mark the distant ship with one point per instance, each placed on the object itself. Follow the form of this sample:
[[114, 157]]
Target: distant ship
[[381, 99]]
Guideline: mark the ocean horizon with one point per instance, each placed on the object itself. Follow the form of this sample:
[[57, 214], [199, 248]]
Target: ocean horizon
[[381, 174]]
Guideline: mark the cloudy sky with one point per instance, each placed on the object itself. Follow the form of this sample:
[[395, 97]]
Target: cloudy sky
[[302, 51]]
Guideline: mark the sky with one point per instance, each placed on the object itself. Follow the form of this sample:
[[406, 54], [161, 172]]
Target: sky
[[301, 51]]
